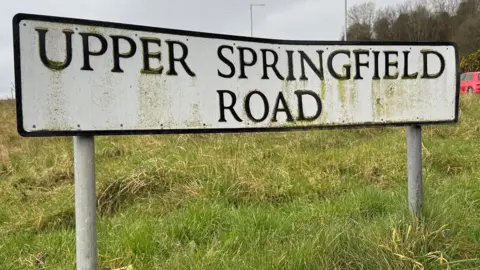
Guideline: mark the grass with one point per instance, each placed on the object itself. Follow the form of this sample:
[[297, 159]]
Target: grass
[[332, 199]]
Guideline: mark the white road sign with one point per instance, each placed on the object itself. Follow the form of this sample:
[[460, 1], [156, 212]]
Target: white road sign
[[78, 77]]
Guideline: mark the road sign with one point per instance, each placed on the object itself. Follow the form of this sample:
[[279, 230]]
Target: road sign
[[81, 77], [84, 78]]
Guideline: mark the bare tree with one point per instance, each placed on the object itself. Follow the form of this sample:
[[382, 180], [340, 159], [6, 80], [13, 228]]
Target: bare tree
[[468, 36], [468, 8], [360, 32], [382, 27], [362, 14], [448, 6], [419, 20], [362, 18]]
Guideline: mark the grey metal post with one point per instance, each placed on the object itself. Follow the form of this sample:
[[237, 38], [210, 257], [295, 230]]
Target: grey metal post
[[346, 19], [251, 21], [251, 16], [85, 203], [414, 162]]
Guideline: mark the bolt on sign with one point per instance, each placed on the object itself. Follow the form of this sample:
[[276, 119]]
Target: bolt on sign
[[76, 77]]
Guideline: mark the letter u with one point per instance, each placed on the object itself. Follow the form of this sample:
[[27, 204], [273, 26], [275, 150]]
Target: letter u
[[43, 51]]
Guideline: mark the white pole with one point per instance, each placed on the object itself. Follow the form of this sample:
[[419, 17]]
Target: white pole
[[85, 203], [414, 163]]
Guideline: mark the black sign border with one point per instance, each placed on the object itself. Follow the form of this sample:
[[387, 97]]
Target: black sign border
[[18, 78]]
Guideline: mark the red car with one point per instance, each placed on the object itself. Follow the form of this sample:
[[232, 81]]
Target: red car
[[470, 82]]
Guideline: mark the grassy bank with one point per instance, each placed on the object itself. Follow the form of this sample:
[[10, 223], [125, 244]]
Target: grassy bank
[[333, 199]]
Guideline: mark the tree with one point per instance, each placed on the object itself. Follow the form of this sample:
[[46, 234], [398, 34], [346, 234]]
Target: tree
[[382, 27], [362, 14], [442, 29], [419, 20], [468, 35], [359, 32], [468, 8], [361, 18]]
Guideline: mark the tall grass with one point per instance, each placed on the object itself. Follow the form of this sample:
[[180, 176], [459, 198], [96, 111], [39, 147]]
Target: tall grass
[[332, 199]]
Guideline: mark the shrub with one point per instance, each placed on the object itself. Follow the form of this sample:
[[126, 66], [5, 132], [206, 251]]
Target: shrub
[[471, 62]]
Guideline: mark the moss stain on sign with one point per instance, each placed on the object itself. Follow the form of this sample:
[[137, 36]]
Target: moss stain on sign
[[341, 92], [56, 101], [322, 90], [324, 114], [196, 121], [376, 101], [152, 101]]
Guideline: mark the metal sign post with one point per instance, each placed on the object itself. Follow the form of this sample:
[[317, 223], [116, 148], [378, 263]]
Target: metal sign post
[[84, 78], [414, 163], [85, 202]]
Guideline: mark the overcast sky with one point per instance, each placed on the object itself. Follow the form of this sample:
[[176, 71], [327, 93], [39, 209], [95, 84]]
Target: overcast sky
[[280, 19]]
